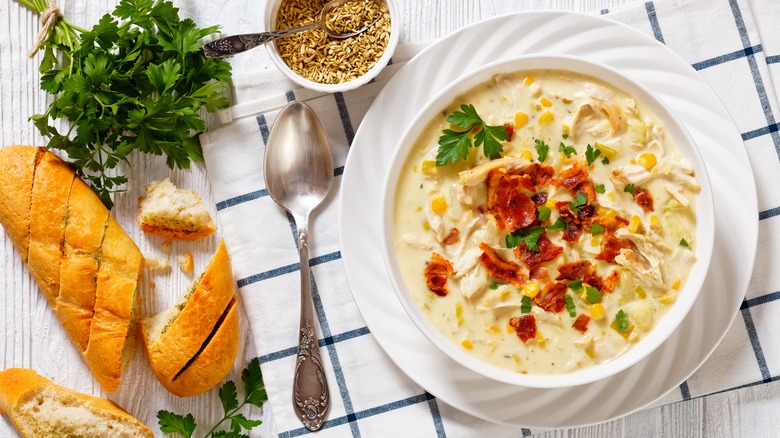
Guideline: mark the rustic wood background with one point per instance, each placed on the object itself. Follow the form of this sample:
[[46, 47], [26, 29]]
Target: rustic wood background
[[33, 337]]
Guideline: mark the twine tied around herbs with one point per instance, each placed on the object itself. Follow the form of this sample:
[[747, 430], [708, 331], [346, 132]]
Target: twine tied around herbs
[[48, 19]]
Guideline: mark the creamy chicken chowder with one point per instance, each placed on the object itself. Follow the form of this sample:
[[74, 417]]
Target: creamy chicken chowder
[[544, 221]]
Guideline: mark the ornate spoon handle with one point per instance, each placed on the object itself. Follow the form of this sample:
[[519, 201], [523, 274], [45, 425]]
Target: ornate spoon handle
[[241, 43], [311, 399]]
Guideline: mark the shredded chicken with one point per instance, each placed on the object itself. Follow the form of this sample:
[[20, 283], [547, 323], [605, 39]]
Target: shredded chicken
[[478, 174]]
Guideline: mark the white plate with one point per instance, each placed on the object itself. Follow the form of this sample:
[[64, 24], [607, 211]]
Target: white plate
[[642, 59]]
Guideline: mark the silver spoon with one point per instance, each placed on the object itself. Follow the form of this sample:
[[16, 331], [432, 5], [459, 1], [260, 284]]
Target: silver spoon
[[241, 43], [298, 171]]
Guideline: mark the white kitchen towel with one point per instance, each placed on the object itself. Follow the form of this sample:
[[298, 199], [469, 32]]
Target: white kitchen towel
[[727, 41]]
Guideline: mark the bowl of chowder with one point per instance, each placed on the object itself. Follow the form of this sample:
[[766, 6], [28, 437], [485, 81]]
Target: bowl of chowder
[[547, 221]]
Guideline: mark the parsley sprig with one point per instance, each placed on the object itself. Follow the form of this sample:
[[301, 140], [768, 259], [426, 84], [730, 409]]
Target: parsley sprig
[[136, 80], [454, 145], [529, 236], [254, 394]]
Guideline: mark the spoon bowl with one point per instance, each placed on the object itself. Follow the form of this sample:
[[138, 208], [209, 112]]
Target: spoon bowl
[[298, 170]]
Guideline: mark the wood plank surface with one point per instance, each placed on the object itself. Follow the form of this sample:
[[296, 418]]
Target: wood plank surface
[[34, 338]]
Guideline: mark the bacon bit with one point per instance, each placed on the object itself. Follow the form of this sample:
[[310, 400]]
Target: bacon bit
[[610, 282], [539, 273], [575, 221], [574, 270], [552, 297], [540, 174], [547, 251], [451, 238], [539, 198], [573, 176], [612, 223], [511, 208], [644, 199], [611, 246], [510, 129], [588, 189], [437, 271], [581, 324], [501, 269], [525, 326]]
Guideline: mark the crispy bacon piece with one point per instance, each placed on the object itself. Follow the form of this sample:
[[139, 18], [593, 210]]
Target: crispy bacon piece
[[539, 198], [451, 238], [574, 270], [611, 224], [525, 326], [581, 323], [610, 281], [501, 269], [547, 251], [551, 298], [507, 202], [539, 273], [437, 271], [575, 220], [588, 189], [510, 129], [611, 246], [644, 199], [540, 174], [572, 177]]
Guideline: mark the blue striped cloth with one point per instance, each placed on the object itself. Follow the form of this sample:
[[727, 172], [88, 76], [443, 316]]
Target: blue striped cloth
[[739, 57]]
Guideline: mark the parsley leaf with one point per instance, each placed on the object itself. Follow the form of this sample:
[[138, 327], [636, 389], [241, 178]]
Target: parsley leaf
[[570, 305], [528, 236], [591, 154], [543, 213], [541, 148], [621, 320], [596, 229], [575, 285], [684, 243], [593, 294], [605, 160], [525, 304], [629, 188], [578, 201], [559, 224], [454, 145], [599, 188], [174, 423], [493, 285], [567, 150]]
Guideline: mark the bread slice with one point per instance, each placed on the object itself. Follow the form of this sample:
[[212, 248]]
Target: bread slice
[[173, 213], [39, 408], [192, 345], [17, 169]]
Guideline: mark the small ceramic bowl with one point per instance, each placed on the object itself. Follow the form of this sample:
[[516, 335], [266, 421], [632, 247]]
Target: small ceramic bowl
[[269, 22], [704, 236]]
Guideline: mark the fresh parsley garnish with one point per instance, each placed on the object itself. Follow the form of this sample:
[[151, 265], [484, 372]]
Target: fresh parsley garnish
[[541, 148], [575, 285], [629, 188], [570, 305], [493, 285], [543, 213], [599, 188], [568, 150], [136, 80], [593, 294], [525, 304], [454, 145], [578, 202], [530, 236], [559, 224], [591, 154], [605, 160], [596, 229], [254, 394], [621, 320], [565, 136], [684, 243]]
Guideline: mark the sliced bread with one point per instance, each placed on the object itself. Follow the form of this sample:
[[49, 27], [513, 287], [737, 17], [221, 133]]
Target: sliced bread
[[173, 213]]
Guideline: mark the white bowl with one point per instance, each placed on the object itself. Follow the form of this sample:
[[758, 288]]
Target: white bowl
[[705, 226], [269, 22]]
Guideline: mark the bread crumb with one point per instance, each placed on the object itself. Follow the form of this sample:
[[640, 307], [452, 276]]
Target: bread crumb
[[166, 246], [186, 262], [154, 263], [173, 213]]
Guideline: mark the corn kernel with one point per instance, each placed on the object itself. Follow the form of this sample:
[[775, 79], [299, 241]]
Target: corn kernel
[[640, 292], [529, 80], [419, 209], [494, 329], [509, 328], [546, 117], [540, 339], [627, 333], [655, 223], [606, 150], [666, 299], [467, 344], [459, 313], [531, 288], [606, 212], [565, 128], [596, 311], [545, 101], [426, 226], [676, 284], [567, 100], [527, 155], [429, 167], [646, 160], [595, 240], [634, 224], [439, 204], [611, 196], [425, 306], [504, 295], [550, 203], [521, 119]]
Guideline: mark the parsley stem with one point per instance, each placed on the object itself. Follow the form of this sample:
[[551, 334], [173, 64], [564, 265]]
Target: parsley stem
[[227, 415]]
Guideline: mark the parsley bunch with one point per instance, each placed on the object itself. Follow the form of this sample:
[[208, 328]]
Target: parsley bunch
[[136, 80], [254, 394], [455, 144]]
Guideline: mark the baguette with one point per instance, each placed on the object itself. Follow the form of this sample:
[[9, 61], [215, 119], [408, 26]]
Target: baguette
[[39, 408], [192, 345], [86, 266], [173, 213]]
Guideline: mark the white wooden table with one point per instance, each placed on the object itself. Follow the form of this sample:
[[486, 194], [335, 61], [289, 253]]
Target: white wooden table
[[33, 337]]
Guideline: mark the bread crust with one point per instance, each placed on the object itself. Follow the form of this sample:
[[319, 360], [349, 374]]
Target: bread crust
[[170, 233], [18, 385], [17, 167]]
